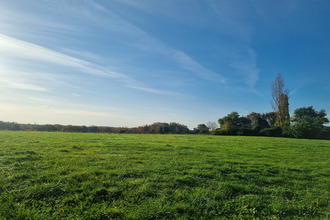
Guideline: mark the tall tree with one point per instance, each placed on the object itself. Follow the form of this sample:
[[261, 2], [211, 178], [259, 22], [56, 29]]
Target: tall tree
[[280, 101], [284, 115]]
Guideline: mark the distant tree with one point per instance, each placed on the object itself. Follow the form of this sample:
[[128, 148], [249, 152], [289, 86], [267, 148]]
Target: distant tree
[[159, 128], [230, 122], [121, 130], [92, 129], [83, 129], [308, 123], [271, 132], [244, 126], [202, 129], [143, 129], [233, 124], [280, 101], [47, 127], [257, 122], [176, 128], [163, 128], [154, 128], [326, 134], [103, 130], [11, 126], [270, 117], [212, 125], [59, 127]]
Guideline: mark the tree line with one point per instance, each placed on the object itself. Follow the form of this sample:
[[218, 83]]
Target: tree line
[[155, 128], [306, 122]]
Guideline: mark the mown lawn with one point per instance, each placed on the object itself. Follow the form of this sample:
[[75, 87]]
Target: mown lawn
[[106, 176]]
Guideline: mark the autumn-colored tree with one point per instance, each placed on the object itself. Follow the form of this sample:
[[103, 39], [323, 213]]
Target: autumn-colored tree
[[280, 102], [284, 115]]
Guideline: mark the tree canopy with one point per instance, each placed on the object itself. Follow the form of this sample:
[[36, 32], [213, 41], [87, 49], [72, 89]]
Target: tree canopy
[[233, 124], [309, 123]]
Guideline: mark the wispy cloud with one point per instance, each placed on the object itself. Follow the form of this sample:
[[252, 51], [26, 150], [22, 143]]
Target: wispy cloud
[[22, 86], [233, 19], [242, 58], [189, 64], [29, 24], [246, 65], [295, 90], [230, 20], [21, 80], [93, 13], [145, 41], [25, 50]]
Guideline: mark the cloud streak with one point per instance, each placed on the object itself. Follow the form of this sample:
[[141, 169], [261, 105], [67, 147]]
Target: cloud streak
[[26, 50], [23, 86], [189, 64], [29, 51], [146, 42], [242, 58], [130, 33]]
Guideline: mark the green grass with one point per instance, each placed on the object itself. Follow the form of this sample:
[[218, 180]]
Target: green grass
[[106, 176]]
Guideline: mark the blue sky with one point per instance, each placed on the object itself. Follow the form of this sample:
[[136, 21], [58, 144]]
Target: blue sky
[[130, 63]]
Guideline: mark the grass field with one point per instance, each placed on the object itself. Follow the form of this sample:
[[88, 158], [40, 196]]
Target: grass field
[[106, 176]]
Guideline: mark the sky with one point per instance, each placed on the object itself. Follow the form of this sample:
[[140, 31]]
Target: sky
[[131, 63]]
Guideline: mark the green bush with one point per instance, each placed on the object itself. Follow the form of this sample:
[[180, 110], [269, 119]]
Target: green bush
[[271, 132]]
